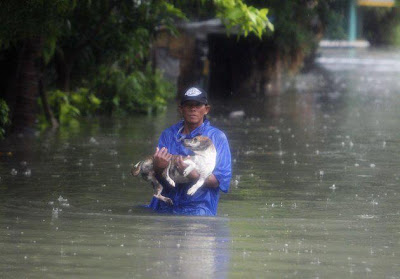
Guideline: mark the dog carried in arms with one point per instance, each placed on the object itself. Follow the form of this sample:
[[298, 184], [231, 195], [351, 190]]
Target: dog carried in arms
[[203, 161]]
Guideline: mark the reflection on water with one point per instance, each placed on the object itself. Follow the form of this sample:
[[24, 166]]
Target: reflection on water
[[314, 191], [105, 245]]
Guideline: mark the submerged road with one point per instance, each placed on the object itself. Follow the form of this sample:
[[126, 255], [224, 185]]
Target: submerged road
[[315, 190]]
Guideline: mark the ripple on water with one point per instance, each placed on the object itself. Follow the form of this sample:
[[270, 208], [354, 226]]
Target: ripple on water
[[366, 216]]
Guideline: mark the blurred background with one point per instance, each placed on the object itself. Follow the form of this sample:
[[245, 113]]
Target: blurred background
[[306, 91], [64, 60]]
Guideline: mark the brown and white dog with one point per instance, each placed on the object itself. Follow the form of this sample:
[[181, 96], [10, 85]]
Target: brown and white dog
[[203, 162]]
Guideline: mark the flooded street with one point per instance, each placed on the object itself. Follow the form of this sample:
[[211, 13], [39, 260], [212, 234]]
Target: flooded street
[[315, 189]]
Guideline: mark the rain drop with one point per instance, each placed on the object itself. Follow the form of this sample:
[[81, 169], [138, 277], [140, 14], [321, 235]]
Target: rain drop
[[54, 213], [93, 140], [28, 172]]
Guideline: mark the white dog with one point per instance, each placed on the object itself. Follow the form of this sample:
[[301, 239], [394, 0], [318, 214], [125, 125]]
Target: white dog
[[203, 162]]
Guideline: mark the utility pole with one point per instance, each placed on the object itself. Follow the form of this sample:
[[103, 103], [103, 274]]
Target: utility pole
[[352, 20]]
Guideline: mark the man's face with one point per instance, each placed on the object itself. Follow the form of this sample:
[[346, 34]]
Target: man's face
[[193, 112]]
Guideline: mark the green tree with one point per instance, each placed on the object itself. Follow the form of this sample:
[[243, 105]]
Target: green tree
[[67, 44], [382, 25], [4, 121], [27, 26]]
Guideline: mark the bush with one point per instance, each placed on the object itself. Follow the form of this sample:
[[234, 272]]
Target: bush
[[139, 91], [382, 26], [68, 107], [4, 117]]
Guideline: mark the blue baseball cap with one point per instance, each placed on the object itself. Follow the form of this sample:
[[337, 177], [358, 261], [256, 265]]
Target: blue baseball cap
[[195, 94]]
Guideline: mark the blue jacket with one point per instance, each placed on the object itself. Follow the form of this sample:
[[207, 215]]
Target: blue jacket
[[205, 200]]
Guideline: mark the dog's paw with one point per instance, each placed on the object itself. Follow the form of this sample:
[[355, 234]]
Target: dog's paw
[[171, 182], [191, 191], [188, 169], [164, 199], [169, 201], [185, 173]]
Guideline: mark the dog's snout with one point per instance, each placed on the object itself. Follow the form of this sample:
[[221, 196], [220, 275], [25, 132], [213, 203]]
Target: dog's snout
[[136, 169]]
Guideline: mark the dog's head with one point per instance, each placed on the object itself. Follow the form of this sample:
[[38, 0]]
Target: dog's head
[[198, 143], [143, 167], [136, 168]]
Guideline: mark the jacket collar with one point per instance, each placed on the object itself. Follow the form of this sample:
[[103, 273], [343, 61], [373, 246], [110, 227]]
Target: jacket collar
[[196, 132]]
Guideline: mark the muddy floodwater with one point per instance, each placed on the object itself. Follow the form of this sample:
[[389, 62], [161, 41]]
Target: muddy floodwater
[[315, 190]]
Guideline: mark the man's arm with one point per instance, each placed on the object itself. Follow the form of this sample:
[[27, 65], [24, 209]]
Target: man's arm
[[212, 182], [223, 168]]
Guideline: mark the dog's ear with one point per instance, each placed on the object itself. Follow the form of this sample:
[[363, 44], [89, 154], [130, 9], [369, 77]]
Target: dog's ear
[[136, 169]]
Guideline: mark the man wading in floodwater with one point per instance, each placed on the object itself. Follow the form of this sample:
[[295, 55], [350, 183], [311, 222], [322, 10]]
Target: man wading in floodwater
[[193, 107]]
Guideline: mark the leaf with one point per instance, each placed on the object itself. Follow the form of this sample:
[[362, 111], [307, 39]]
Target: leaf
[[115, 101], [94, 100], [263, 13]]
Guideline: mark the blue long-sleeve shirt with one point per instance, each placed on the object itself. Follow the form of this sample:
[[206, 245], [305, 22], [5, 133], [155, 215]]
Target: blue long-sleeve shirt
[[205, 200]]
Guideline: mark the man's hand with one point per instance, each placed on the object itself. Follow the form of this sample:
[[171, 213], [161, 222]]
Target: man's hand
[[161, 159], [181, 166]]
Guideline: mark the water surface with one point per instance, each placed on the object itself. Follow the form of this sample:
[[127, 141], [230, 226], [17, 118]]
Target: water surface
[[315, 188]]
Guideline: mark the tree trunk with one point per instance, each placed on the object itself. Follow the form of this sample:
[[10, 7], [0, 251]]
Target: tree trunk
[[66, 79], [46, 107], [26, 89], [63, 67]]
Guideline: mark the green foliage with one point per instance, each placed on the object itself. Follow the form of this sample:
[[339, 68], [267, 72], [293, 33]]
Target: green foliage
[[293, 25], [196, 10], [145, 91], [141, 91], [249, 19], [298, 25], [335, 29], [382, 26], [4, 117], [69, 107], [24, 19], [396, 35], [102, 48]]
